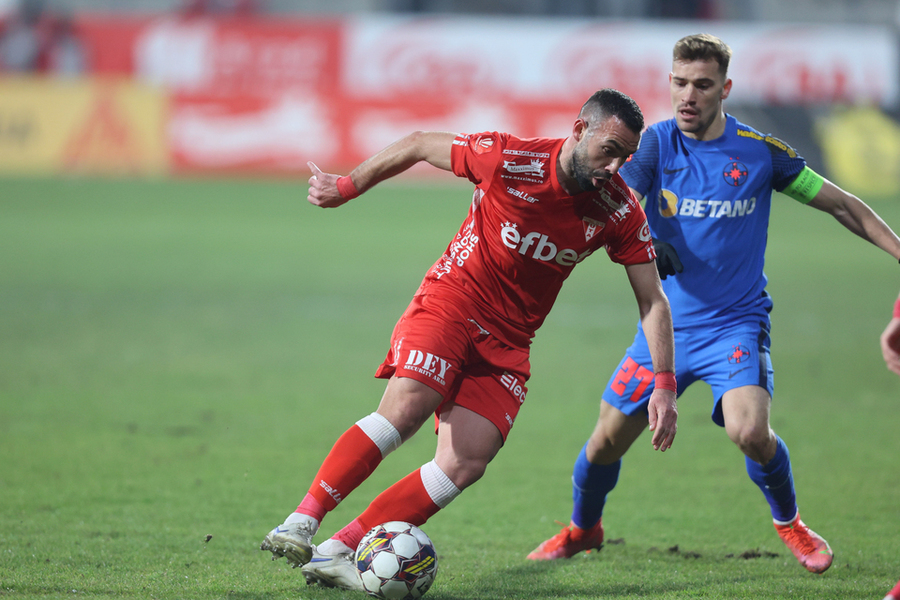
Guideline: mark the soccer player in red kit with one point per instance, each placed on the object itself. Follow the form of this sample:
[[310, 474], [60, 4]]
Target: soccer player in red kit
[[461, 349]]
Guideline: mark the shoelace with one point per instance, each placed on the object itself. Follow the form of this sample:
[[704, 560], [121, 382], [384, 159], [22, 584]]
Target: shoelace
[[561, 538], [801, 538]]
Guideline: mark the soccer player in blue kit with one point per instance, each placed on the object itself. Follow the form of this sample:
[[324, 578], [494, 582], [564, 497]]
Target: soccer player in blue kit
[[707, 180]]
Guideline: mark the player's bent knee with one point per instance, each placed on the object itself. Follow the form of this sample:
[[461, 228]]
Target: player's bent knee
[[468, 473], [756, 444], [463, 472]]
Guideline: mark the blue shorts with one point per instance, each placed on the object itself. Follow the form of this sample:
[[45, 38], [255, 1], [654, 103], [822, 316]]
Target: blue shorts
[[725, 357]]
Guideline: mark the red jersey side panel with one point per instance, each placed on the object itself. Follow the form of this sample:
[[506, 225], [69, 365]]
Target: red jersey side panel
[[524, 234]]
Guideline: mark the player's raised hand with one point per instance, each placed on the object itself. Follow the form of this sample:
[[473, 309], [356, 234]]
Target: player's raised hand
[[663, 415], [323, 190]]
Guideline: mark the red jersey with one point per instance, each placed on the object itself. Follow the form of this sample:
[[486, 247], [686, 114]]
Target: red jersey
[[524, 233]]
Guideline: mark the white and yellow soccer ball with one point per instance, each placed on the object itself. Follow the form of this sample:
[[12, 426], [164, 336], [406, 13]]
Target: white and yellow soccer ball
[[396, 561]]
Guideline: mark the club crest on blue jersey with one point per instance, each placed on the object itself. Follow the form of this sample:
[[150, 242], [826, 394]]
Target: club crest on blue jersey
[[738, 354], [735, 173]]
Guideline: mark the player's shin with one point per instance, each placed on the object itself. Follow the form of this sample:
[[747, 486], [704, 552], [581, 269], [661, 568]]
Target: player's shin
[[776, 482], [352, 459], [413, 499], [590, 485]]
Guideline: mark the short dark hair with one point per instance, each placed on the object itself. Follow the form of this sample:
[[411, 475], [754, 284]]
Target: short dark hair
[[607, 103], [703, 46]]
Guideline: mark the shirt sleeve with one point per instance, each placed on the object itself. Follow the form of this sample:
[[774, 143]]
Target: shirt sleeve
[[640, 170], [475, 155], [786, 163], [631, 244]]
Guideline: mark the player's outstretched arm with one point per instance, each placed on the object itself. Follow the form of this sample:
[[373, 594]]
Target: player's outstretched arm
[[857, 216], [890, 341], [328, 190], [656, 321]]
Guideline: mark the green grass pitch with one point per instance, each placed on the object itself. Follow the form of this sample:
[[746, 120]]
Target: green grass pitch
[[176, 358]]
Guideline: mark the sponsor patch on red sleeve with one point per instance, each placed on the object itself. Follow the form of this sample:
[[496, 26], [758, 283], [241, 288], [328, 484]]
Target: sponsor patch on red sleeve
[[481, 144]]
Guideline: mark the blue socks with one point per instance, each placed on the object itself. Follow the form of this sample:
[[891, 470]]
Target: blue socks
[[590, 485], [776, 483]]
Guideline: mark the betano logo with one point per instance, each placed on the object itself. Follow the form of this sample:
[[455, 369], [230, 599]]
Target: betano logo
[[539, 246], [713, 209]]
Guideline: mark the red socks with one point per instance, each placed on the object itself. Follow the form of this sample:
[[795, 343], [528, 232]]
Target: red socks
[[407, 500], [354, 456], [351, 460]]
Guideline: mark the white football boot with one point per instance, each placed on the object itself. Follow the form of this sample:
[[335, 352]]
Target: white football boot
[[333, 570], [293, 541]]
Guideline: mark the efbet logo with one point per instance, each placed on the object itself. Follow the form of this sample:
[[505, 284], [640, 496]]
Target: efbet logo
[[539, 246]]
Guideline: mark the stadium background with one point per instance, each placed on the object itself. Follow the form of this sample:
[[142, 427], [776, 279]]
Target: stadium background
[[243, 87]]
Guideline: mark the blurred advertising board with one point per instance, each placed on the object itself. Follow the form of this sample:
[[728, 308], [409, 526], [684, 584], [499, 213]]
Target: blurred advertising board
[[267, 94], [91, 126], [861, 146]]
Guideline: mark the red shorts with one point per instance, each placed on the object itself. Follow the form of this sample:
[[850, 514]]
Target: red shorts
[[438, 345]]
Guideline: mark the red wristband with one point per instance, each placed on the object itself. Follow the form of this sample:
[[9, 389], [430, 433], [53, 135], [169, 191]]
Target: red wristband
[[897, 309], [665, 380], [346, 188]]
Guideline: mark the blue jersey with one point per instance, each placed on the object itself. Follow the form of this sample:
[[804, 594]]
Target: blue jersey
[[711, 200]]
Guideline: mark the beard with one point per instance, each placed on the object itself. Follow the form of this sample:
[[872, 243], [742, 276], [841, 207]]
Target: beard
[[580, 170]]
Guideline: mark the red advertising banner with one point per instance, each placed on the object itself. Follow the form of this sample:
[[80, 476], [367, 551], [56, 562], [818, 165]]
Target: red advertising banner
[[267, 95]]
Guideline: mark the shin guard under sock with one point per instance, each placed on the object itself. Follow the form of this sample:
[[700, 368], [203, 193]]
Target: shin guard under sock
[[776, 482]]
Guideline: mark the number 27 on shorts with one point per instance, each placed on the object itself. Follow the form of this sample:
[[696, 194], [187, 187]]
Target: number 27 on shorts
[[631, 370]]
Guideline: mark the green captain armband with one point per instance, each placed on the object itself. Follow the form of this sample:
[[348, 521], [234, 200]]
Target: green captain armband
[[805, 187]]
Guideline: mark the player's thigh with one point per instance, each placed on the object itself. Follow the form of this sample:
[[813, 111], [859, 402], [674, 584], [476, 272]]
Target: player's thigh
[[476, 417], [467, 442], [746, 413], [407, 403]]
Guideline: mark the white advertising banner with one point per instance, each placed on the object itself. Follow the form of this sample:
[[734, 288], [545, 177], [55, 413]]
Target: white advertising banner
[[268, 94], [566, 60]]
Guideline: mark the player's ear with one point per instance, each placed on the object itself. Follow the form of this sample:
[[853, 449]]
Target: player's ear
[[726, 89], [579, 129]]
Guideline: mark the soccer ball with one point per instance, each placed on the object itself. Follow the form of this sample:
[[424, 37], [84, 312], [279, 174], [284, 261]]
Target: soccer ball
[[396, 561]]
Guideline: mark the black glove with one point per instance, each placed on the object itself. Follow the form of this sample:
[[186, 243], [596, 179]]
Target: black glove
[[667, 261]]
